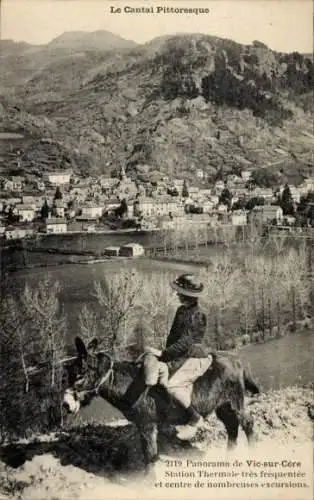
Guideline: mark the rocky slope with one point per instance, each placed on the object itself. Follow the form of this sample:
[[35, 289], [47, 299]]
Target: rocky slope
[[90, 462], [170, 106]]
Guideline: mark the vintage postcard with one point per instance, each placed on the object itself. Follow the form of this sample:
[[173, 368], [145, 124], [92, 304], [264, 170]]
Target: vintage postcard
[[156, 249]]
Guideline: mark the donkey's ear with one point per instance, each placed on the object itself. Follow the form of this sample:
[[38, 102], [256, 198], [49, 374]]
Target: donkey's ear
[[80, 347], [93, 344]]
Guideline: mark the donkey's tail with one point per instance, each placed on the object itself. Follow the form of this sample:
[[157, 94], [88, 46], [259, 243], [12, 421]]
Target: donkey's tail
[[249, 384]]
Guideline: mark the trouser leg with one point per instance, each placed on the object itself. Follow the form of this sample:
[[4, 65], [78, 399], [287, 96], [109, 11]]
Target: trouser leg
[[163, 374], [192, 415], [180, 385]]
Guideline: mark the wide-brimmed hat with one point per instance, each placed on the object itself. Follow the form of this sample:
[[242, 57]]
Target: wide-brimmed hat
[[188, 284]]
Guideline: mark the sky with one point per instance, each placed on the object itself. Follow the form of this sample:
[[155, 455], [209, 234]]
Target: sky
[[284, 25]]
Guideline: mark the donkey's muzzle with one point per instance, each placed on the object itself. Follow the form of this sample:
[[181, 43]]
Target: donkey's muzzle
[[66, 407], [70, 403]]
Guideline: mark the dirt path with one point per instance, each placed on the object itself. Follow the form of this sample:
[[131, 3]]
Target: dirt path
[[97, 462]]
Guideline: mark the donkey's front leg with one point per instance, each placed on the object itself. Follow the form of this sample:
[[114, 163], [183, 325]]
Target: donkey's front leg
[[148, 434]]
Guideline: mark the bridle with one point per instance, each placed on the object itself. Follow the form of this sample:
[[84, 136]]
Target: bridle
[[109, 375]]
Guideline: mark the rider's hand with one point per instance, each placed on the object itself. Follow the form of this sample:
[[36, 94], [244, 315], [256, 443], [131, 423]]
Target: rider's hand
[[152, 350]]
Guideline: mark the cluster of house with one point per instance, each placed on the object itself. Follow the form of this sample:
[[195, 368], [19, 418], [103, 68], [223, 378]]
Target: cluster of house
[[82, 202]]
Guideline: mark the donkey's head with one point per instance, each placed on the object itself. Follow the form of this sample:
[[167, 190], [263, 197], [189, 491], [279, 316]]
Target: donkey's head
[[90, 370]]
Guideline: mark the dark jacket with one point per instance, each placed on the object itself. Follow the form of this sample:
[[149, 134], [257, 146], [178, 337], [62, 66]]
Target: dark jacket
[[186, 335]]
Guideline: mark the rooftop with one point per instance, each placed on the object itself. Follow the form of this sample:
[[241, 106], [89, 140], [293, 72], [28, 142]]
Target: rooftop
[[55, 220], [59, 172], [132, 245], [91, 204], [266, 208], [17, 178], [21, 206], [112, 248], [86, 218], [113, 200]]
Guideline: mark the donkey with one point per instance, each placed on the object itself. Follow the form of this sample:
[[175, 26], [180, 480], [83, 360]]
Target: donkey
[[221, 389]]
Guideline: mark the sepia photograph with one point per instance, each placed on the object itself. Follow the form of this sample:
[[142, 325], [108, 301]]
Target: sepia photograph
[[156, 249]]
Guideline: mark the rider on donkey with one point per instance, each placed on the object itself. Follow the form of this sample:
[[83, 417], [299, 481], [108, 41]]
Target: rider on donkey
[[183, 352]]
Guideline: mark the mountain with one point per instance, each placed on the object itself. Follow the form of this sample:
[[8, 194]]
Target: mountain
[[97, 40], [169, 106], [20, 61]]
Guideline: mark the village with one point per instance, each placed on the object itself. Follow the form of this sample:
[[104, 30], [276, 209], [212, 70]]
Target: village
[[62, 202]]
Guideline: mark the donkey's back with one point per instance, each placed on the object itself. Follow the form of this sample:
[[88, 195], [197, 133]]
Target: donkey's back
[[226, 380]]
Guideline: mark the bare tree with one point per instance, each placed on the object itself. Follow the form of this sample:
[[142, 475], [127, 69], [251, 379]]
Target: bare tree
[[279, 244], [293, 269], [158, 307], [221, 281], [253, 240], [46, 322], [245, 309], [13, 330], [88, 323], [117, 298]]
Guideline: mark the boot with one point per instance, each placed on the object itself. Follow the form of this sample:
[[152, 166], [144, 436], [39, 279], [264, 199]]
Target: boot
[[195, 422]]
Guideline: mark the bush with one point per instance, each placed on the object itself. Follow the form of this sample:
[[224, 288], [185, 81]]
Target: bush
[[264, 177]]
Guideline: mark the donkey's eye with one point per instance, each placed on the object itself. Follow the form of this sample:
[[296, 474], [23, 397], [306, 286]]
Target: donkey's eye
[[79, 382]]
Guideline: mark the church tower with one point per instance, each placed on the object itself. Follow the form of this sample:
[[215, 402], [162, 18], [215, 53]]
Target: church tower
[[123, 174]]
